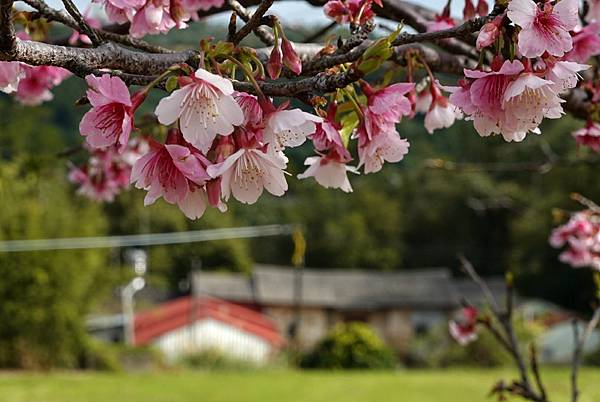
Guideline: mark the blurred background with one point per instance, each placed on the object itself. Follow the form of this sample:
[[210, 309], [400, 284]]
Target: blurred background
[[374, 279]]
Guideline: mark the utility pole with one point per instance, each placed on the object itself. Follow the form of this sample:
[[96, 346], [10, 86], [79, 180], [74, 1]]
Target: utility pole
[[139, 260]]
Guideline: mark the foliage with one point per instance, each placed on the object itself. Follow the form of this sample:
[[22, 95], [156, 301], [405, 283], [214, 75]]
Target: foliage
[[45, 294], [214, 359], [352, 345]]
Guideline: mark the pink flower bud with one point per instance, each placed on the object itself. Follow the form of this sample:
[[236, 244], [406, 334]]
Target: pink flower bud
[[487, 35], [482, 8], [290, 58], [275, 63], [469, 10]]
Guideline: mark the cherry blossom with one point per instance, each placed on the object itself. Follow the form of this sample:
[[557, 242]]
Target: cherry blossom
[[290, 58], [288, 128], [589, 136], [581, 236], [10, 75], [544, 28], [120, 11], [110, 121], [564, 74], [463, 325], [157, 16], [356, 11], [440, 23], [204, 106], [385, 147], [385, 106], [34, 87], [76, 36], [330, 171], [103, 177], [253, 113], [175, 171], [489, 33], [196, 5], [441, 113], [247, 172], [586, 43]]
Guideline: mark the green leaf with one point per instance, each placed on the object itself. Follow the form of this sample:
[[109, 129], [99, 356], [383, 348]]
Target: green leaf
[[171, 84]]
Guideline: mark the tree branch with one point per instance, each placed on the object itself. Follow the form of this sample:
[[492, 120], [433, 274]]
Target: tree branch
[[254, 21], [81, 22], [263, 34], [579, 344], [7, 29]]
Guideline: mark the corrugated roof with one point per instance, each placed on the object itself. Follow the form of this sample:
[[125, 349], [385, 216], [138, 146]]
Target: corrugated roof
[[335, 288]]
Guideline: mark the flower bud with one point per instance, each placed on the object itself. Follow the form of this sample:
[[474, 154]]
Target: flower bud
[[290, 57], [274, 64]]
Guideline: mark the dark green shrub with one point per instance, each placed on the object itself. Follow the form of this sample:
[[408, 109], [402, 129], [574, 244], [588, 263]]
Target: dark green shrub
[[213, 359], [349, 346]]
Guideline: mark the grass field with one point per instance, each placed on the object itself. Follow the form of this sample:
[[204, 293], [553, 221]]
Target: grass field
[[276, 386]]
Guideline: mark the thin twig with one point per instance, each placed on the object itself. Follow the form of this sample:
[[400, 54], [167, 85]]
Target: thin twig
[[579, 344], [263, 33], [83, 25], [254, 21], [487, 293], [533, 361]]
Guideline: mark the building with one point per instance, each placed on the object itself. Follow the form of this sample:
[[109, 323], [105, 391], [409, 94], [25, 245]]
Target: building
[[307, 303], [186, 325]]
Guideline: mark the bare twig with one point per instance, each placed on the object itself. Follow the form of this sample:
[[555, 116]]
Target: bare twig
[[263, 33], [7, 29], [533, 362], [83, 25], [487, 293], [253, 22], [579, 344]]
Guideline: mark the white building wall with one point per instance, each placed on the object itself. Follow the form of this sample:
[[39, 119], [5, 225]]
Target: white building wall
[[210, 334]]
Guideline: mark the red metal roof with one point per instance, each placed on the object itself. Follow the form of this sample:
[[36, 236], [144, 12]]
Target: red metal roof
[[181, 312]]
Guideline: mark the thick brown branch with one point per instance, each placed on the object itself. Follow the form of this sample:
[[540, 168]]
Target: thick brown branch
[[107, 56], [7, 29], [63, 18]]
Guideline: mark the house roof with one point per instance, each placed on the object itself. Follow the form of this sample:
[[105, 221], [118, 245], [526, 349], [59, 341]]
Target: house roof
[[180, 312], [334, 288]]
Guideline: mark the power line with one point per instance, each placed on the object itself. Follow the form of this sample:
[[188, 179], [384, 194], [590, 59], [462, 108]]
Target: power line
[[150, 239]]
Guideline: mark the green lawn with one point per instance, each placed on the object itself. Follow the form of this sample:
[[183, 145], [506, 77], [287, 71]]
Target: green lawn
[[275, 386]]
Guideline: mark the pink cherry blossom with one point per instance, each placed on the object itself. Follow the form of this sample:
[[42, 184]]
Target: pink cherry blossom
[[175, 171], [158, 16], [463, 325], [489, 33], [387, 146], [441, 113], [586, 43], [248, 171], [564, 74], [589, 136], [10, 75], [34, 87], [205, 108], [120, 11], [527, 101], [581, 236], [385, 106], [103, 177], [356, 11], [110, 121], [289, 128], [330, 171], [253, 113], [544, 28]]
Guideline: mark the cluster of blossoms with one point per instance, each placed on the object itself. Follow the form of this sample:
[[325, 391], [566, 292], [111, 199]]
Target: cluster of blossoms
[[224, 143], [515, 96], [581, 236], [151, 17], [463, 325], [106, 173], [30, 85]]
